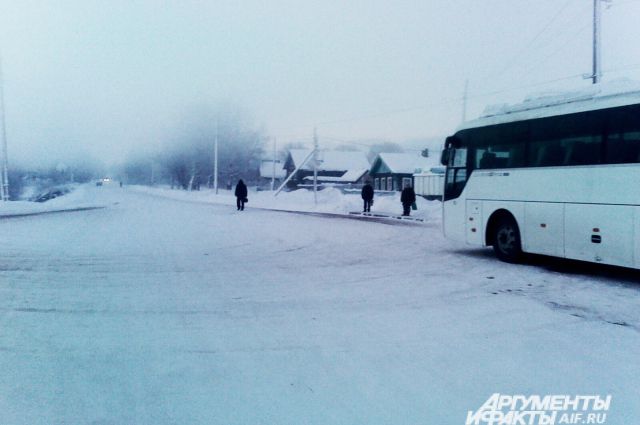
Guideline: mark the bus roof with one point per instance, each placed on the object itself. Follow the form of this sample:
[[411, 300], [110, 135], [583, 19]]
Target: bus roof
[[599, 96]]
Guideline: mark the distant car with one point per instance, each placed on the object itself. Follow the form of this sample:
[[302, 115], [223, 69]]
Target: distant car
[[99, 183]]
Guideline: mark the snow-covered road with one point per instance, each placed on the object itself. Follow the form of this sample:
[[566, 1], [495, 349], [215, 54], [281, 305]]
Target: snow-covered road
[[158, 311]]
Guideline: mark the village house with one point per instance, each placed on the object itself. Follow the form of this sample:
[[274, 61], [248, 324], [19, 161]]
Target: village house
[[271, 170], [392, 171], [337, 168]]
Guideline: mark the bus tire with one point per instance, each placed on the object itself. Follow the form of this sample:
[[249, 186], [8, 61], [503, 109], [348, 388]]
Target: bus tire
[[506, 240]]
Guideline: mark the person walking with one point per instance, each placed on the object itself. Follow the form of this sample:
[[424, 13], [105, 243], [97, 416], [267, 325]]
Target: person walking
[[241, 195], [367, 196], [408, 197]]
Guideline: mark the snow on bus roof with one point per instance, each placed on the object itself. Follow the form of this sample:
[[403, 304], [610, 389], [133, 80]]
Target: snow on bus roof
[[599, 96]]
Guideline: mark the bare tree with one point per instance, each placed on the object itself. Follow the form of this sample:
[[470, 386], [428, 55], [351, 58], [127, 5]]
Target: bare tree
[[189, 156]]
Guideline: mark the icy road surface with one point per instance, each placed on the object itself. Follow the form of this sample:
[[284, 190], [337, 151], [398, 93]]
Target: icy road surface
[[157, 311]]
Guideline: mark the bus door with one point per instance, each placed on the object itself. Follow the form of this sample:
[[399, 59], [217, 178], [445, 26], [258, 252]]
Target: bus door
[[455, 157]]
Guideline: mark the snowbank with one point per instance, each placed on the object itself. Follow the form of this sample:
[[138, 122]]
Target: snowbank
[[81, 197], [330, 200]]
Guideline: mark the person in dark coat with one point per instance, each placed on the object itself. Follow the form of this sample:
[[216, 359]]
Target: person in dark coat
[[241, 195], [408, 197], [367, 196]]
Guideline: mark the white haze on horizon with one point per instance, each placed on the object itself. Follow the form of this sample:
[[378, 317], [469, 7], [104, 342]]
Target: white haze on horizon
[[105, 80]]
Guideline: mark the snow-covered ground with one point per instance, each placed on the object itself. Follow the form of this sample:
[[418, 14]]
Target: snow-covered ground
[[160, 311], [330, 200], [80, 197]]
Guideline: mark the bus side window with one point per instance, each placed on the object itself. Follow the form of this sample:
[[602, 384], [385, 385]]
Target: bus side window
[[623, 139], [501, 146], [583, 153], [623, 148], [488, 160], [547, 153], [566, 140], [516, 156]]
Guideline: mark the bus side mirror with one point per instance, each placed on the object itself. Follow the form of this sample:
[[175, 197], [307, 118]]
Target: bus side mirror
[[444, 157]]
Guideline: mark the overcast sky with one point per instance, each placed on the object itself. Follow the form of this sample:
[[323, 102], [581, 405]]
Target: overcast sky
[[102, 77]]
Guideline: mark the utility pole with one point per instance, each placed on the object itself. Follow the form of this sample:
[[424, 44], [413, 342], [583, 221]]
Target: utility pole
[[273, 175], [596, 42], [596, 73], [4, 172], [315, 166], [215, 160]]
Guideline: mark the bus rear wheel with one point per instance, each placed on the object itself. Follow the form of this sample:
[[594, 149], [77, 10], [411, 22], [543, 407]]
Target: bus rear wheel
[[506, 240]]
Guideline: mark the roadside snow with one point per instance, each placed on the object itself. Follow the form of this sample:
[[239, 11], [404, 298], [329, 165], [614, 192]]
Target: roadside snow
[[330, 200], [81, 197]]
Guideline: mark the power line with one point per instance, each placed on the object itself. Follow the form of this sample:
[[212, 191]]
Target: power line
[[333, 139], [433, 105], [625, 67], [542, 83], [517, 56], [572, 38], [445, 101], [442, 102], [619, 3], [546, 58]]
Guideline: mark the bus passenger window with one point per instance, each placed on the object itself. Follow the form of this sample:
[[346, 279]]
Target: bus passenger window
[[583, 153], [501, 146], [488, 160], [574, 139], [622, 145], [547, 154], [623, 148]]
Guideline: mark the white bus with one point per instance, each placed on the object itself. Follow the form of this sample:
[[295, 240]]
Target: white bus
[[557, 177]]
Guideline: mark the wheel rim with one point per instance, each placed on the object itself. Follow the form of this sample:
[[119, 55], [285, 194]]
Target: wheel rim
[[506, 238]]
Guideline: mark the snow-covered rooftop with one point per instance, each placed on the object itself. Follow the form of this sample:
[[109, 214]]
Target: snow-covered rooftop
[[266, 169], [332, 160], [407, 163], [351, 176], [599, 96]]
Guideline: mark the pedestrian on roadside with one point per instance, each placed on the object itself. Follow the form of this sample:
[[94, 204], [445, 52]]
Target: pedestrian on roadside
[[241, 195], [367, 196], [408, 197]]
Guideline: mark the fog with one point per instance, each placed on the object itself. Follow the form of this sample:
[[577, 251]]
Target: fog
[[109, 79]]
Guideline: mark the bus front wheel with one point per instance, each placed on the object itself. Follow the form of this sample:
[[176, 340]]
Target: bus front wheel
[[506, 240]]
